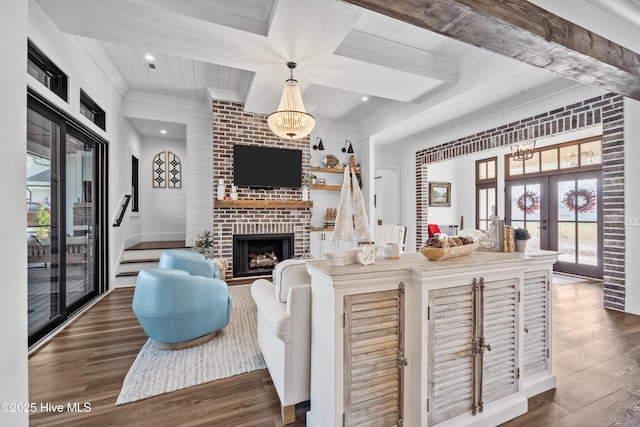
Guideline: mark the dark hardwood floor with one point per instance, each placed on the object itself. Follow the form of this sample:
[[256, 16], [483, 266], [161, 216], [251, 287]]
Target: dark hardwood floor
[[596, 359], [88, 361]]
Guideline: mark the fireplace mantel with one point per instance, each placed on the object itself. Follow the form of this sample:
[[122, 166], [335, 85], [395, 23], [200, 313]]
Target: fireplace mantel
[[263, 204]]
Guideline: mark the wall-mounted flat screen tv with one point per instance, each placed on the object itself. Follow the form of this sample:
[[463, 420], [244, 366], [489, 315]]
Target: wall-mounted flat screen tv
[[266, 167]]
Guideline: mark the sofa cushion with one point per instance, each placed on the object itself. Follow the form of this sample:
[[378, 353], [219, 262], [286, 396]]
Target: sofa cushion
[[288, 273], [273, 312]]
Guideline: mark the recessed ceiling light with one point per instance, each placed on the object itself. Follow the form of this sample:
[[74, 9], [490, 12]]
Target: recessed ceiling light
[[162, 131], [365, 98], [149, 57]]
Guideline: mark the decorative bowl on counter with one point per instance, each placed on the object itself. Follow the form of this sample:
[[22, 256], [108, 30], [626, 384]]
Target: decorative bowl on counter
[[437, 254], [340, 258]]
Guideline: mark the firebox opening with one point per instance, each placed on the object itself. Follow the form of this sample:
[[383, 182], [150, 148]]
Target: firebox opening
[[258, 254]]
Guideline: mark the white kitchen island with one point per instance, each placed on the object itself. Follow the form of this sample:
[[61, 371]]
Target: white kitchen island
[[413, 342]]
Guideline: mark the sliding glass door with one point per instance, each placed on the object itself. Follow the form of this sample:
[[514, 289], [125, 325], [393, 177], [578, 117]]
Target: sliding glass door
[[43, 141], [65, 193], [80, 220]]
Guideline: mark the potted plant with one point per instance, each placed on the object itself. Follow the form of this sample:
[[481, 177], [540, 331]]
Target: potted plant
[[309, 179], [203, 243], [521, 235]]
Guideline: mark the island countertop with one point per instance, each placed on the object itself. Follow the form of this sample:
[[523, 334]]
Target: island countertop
[[416, 263]]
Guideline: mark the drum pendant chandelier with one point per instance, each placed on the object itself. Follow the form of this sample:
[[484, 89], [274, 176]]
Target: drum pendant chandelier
[[291, 120]]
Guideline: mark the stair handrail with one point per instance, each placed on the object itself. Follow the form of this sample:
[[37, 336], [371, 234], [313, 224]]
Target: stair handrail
[[123, 208]]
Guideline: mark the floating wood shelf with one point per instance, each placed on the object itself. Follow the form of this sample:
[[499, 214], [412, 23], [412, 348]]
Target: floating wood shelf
[[263, 204], [321, 229], [332, 170], [326, 187]]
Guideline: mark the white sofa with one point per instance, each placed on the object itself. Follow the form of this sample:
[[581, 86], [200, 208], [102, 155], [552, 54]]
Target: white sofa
[[284, 331]]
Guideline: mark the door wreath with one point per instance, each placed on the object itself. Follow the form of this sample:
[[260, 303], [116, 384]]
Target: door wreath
[[582, 200], [529, 202]]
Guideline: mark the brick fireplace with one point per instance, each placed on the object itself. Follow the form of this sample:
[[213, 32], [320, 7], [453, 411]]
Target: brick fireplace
[[275, 211]]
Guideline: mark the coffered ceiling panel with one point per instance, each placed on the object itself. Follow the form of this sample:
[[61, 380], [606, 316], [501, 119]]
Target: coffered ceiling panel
[[415, 80]]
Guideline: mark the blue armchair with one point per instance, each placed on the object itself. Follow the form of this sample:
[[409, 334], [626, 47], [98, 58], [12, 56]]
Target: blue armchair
[[178, 310], [193, 263]]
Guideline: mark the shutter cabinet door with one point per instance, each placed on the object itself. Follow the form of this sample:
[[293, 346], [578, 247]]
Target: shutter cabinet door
[[450, 358], [373, 358], [536, 317], [499, 366]]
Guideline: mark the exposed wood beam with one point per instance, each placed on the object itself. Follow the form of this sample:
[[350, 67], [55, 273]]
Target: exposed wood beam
[[524, 31]]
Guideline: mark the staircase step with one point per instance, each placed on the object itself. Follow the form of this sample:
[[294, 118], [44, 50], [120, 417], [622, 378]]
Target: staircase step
[[165, 244], [140, 256], [143, 254], [126, 279], [136, 266], [128, 274], [138, 260]]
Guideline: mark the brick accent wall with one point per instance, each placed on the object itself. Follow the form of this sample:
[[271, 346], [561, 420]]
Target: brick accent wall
[[232, 125], [607, 110]]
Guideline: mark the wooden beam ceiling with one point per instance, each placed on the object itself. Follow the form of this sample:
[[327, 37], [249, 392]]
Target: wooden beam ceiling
[[526, 32]]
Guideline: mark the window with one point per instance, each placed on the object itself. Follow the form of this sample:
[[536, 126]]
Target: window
[[486, 191], [45, 71], [91, 110], [562, 157], [134, 184]]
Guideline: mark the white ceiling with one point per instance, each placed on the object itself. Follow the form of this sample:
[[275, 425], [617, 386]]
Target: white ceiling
[[417, 83]]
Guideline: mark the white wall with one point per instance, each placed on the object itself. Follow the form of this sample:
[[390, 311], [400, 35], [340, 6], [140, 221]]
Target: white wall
[[386, 185], [128, 143], [333, 136], [163, 211], [13, 251], [461, 174], [388, 206], [198, 177], [632, 204]]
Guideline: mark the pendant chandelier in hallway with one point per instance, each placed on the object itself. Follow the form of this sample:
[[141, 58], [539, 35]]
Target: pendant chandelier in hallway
[[523, 151], [291, 119]]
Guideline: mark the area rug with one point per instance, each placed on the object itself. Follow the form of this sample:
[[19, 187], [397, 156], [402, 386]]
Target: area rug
[[233, 351]]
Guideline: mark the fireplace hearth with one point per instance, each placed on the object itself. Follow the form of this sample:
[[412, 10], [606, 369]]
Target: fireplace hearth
[[258, 254]]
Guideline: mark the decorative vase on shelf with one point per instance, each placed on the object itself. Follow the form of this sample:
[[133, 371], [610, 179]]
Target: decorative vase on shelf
[[220, 189], [305, 194]]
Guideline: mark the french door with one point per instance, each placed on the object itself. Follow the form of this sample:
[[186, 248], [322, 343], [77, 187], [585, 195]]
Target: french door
[[65, 200], [575, 222], [562, 213]]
